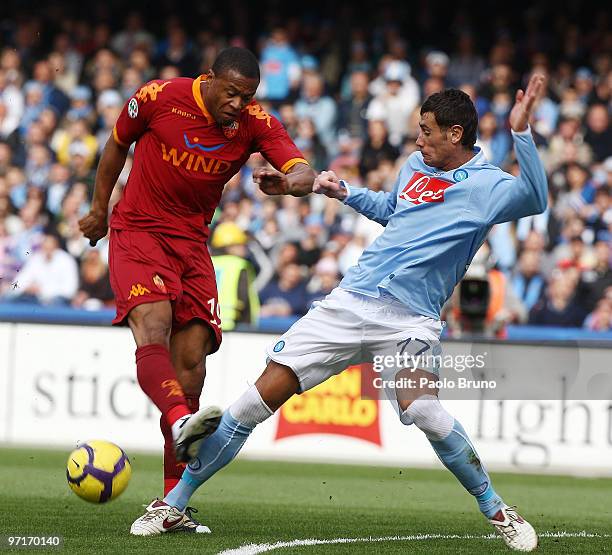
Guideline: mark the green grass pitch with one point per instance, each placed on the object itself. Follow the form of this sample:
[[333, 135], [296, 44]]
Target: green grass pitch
[[261, 502]]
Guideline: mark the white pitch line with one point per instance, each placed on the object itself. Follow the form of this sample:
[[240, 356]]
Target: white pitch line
[[255, 548]]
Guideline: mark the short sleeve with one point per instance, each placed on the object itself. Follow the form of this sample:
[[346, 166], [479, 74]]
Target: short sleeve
[[138, 111], [272, 140]]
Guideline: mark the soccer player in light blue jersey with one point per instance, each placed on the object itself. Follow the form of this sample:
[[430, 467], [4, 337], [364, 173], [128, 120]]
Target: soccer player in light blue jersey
[[444, 202]]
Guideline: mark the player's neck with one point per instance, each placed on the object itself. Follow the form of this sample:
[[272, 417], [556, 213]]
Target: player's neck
[[203, 93], [458, 160]]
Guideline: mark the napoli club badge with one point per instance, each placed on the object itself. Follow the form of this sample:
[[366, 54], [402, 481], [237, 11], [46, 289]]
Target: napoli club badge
[[230, 130], [460, 175]]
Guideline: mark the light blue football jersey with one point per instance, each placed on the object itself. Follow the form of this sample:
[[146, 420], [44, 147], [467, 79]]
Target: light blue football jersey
[[436, 220]]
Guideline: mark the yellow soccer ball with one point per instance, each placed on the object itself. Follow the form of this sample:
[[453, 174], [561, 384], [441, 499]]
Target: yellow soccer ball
[[98, 471]]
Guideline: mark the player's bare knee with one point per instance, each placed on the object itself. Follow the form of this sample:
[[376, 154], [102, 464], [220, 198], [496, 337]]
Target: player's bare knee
[[277, 384], [151, 324]]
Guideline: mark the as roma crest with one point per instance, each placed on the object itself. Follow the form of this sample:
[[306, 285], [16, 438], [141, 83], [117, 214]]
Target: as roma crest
[[230, 130]]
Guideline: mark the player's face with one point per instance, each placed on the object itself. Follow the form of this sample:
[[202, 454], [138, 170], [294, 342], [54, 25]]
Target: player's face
[[435, 144], [228, 94]]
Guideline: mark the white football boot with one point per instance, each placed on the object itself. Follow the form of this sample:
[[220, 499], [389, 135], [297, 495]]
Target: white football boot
[[160, 518], [193, 430], [514, 529]]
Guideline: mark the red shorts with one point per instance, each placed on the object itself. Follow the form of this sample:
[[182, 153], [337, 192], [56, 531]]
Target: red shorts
[[148, 267]]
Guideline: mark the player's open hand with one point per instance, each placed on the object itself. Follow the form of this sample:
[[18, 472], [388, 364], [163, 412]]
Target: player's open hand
[[525, 102], [271, 182], [94, 226], [327, 183]]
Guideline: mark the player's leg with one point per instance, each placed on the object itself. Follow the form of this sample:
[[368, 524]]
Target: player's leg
[[151, 325], [453, 447], [395, 331], [449, 440], [319, 345], [145, 282], [188, 349], [277, 384]]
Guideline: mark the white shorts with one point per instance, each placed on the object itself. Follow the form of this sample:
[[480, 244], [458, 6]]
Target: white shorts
[[347, 328]]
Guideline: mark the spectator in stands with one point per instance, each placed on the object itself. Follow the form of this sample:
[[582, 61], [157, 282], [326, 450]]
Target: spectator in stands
[[601, 318], [177, 50], [11, 106], [64, 77], [596, 280], [466, 65], [77, 133], [527, 281], [285, 295], [34, 105], [352, 111], [324, 280], [48, 277], [436, 67], [29, 238], [376, 148], [80, 105], [310, 245], [495, 142], [597, 216], [558, 307], [94, 284], [52, 96], [318, 107], [307, 139], [38, 165], [599, 134], [132, 36], [281, 71], [567, 145], [236, 277], [8, 263], [395, 103], [95, 65]]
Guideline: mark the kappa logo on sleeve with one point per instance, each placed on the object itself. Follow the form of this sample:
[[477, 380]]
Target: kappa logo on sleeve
[[150, 92], [258, 112], [424, 188]]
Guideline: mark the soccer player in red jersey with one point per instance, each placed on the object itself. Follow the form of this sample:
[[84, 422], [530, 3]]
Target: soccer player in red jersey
[[192, 136]]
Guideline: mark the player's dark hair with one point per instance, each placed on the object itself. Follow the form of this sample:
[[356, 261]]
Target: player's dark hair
[[241, 60], [454, 107]]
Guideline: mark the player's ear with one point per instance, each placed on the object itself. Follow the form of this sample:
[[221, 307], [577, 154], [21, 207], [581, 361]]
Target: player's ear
[[210, 75], [456, 134]]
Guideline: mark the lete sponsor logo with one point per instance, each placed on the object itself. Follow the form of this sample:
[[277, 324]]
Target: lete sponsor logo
[[424, 188], [334, 407]]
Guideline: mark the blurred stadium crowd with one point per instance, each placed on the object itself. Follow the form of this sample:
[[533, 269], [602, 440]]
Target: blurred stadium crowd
[[350, 100]]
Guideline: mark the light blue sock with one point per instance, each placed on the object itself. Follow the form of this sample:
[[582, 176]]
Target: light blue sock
[[459, 456], [216, 451]]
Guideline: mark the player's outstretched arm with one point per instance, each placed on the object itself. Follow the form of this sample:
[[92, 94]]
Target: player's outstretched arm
[[297, 182], [377, 206], [95, 224], [513, 198]]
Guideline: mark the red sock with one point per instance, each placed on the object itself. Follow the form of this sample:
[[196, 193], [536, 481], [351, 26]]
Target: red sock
[[173, 470], [157, 378]]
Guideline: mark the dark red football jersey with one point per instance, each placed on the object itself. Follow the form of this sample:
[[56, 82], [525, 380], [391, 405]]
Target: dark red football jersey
[[183, 158]]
